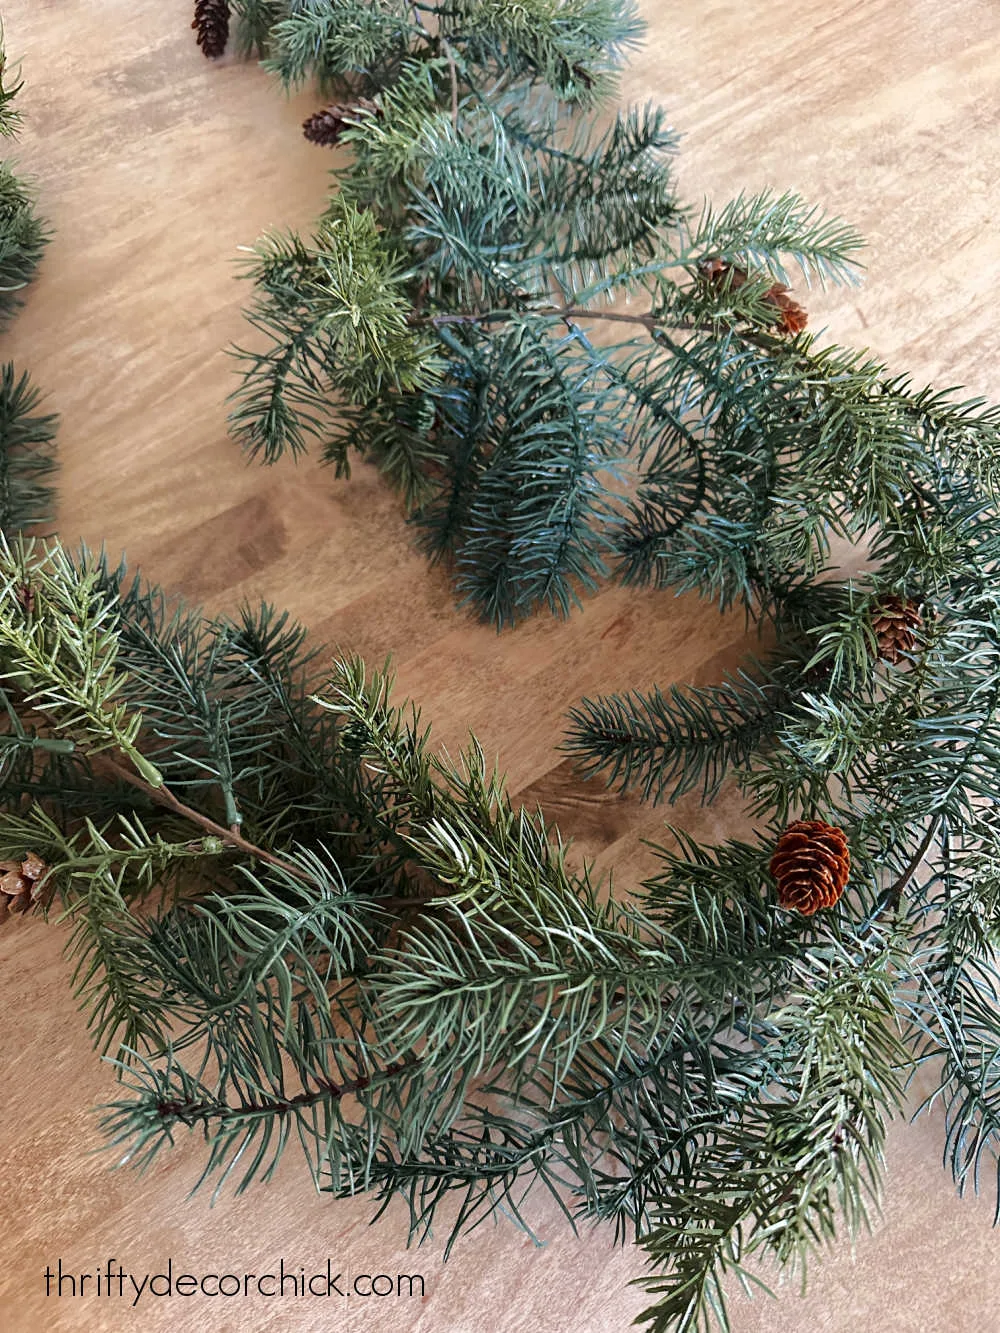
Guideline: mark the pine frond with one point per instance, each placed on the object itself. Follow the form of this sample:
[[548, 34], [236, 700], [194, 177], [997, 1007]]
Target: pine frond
[[331, 40], [331, 308], [573, 46], [766, 230], [23, 237], [26, 454], [667, 744]]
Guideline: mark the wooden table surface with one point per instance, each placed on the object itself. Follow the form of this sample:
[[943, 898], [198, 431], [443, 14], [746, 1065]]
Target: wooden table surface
[[154, 166]]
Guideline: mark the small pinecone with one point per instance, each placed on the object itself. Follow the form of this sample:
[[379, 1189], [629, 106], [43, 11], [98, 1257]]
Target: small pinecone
[[793, 317], [211, 22], [896, 622], [810, 865], [326, 126], [716, 271], [19, 883]]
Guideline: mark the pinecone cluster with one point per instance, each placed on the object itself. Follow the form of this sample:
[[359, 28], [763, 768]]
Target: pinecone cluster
[[211, 22], [792, 318], [896, 622], [19, 882], [325, 127], [810, 866]]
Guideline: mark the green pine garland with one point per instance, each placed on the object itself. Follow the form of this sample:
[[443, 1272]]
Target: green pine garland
[[442, 318], [26, 435], [292, 918]]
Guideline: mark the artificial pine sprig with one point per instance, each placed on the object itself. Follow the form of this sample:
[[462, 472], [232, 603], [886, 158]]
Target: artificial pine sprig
[[22, 239], [26, 457], [26, 435], [486, 230]]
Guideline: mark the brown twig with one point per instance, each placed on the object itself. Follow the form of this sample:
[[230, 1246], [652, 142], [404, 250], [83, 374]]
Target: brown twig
[[556, 312], [165, 797], [232, 838], [453, 68], [189, 1112], [893, 895], [756, 338]]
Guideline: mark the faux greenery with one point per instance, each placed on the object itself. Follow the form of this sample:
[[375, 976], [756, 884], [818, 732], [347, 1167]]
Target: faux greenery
[[442, 319], [26, 435], [292, 918]]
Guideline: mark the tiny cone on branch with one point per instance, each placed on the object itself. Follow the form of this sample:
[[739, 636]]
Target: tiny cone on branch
[[18, 883], [211, 22], [792, 317], [718, 271], [896, 622], [810, 866], [325, 127]]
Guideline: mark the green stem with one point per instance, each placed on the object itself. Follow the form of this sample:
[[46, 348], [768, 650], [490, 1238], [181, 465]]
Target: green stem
[[50, 744], [189, 1112]]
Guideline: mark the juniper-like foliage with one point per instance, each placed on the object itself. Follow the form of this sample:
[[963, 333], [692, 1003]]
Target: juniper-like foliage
[[26, 435]]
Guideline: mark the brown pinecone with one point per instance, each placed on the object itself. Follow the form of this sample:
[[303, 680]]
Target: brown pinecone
[[810, 865], [211, 22], [18, 883], [715, 270], [896, 622], [793, 317], [325, 127]]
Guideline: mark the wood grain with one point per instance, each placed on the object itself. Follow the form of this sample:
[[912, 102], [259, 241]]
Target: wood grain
[[154, 167]]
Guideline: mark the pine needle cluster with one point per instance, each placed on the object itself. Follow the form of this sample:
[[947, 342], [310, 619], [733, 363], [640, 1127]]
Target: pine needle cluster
[[26, 434]]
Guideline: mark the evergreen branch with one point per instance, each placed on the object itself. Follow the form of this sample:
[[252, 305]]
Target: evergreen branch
[[10, 85], [23, 236], [670, 744], [332, 305], [26, 459], [61, 653], [572, 46], [255, 19], [758, 230], [957, 1015], [329, 40], [818, 1148]]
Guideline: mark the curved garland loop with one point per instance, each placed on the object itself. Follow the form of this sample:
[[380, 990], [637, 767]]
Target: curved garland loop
[[370, 945]]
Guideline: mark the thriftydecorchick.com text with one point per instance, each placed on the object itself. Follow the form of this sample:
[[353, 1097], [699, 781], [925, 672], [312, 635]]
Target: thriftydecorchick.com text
[[282, 1281]]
